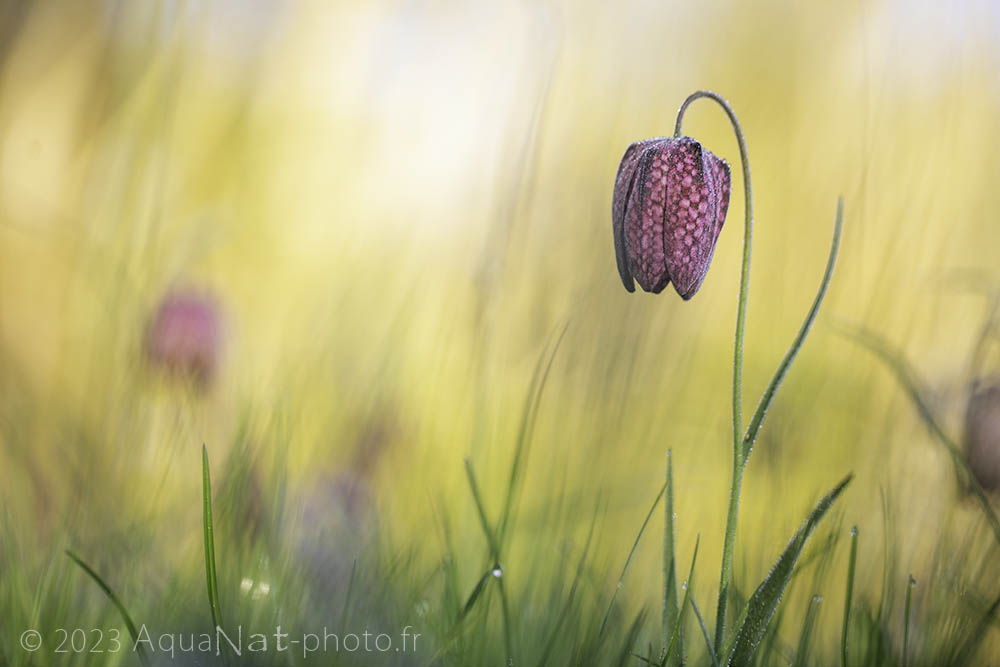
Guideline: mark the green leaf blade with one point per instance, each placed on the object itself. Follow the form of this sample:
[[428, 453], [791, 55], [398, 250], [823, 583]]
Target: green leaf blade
[[211, 576], [126, 617], [762, 604], [753, 428]]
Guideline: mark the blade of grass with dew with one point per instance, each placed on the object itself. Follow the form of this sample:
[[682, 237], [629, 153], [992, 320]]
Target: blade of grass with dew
[[753, 428], [129, 623], [211, 576], [631, 553], [849, 595], [907, 377], [671, 608], [494, 548], [911, 582], [675, 635], [805, 636], [762, 604], [704, 632]]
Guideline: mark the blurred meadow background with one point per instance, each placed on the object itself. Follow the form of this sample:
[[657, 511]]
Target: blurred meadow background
[[393, 212]]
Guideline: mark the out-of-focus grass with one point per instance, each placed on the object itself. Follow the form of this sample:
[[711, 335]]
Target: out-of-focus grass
[[399, 207]]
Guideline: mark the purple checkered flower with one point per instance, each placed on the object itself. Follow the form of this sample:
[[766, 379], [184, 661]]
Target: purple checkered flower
[[982, 433], [185, 337], [670, 202]]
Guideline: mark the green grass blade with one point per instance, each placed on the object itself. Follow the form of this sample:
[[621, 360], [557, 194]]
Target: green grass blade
[[211, 578], [129, 623], [907, 377], [770, 645], [554, 635], [538, 381], [625, 652], [484, 521], [474, 595], [671, 607], [677, 630], [753, 428], [906, 621], [508, 640], [849, 595], [494, 548], [704, 632], [762, 604], [631, 553], [345, 610], [963, 654], [802, 652]]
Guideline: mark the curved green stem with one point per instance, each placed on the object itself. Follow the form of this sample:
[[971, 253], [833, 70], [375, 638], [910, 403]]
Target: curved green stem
[[741, 317]]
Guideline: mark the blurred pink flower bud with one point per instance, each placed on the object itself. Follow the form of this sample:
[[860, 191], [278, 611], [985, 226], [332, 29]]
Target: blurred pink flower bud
[[982, 434], [670, 202], [184, 336]]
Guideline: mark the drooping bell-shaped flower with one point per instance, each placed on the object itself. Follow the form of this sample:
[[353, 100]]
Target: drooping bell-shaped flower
[[670, 202], [982, 434], [184, 336]]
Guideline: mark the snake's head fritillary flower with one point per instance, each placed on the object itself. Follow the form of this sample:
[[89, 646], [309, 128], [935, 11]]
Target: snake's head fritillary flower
[[670, 202], [982, 434], [184, 336]]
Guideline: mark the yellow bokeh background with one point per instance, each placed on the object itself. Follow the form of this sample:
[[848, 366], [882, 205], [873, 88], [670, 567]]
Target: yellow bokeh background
[[399, 206]]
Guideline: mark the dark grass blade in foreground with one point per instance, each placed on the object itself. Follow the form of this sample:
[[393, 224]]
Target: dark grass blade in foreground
[[129, 623], [477, 590], [211, 578], [849, 595], [802, 652], [906, 621], [762, 604], [631, 553], [753, 428], [704, 632], [671, 608], [907, 377]]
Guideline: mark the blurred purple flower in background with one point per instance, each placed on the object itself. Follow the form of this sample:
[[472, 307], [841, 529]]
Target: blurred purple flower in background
[[982, 434], [670, 202], [184, 336]]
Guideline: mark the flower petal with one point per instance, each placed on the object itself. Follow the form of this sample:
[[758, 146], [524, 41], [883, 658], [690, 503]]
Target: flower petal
[[693, 219], [720, 174], [644, 217], [623, 188]]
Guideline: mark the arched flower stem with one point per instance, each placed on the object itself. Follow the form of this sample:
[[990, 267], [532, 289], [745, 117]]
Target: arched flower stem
[[739, 460]]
